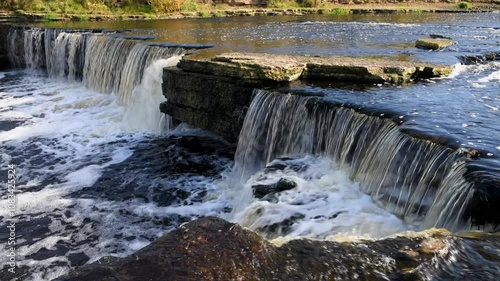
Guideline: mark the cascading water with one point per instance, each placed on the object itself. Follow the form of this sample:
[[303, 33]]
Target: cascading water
[[33, 48], [78, 134], [412, 178], [105, 64], [95, 181]]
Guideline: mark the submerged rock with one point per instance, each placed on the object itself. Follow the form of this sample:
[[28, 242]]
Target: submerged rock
[[434, 44], [439, 36], [261, 190], [213, 249], [480, 59]]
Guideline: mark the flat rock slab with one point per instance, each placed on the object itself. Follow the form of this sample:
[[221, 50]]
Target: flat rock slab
[[434, 44], [254, 67]]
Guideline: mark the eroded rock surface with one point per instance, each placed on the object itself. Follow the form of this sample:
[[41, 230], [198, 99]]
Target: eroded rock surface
[[213, 249]]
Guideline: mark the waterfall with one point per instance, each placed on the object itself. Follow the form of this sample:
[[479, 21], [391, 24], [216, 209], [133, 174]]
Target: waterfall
[[415, 179], [127, 68], [64, 57], [148, 94], [15, 38], [33, 48]]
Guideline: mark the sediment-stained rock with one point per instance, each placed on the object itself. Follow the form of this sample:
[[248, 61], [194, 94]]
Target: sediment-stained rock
[[434, 44], [286, 68], [213, 249]]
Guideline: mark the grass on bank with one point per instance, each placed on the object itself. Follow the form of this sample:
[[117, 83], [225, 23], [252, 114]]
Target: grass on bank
[[101, 7], [82, 10]]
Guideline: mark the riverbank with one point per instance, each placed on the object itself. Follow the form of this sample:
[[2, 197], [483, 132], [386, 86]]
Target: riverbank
[[206, 11]]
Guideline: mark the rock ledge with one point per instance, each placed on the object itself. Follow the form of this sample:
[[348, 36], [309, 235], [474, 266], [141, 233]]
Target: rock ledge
[[253, 67]]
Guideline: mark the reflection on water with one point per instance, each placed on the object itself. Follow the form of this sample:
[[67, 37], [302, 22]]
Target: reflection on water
[[319, 34]]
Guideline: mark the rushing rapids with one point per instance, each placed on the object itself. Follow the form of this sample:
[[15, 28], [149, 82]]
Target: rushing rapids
[[98, 104]]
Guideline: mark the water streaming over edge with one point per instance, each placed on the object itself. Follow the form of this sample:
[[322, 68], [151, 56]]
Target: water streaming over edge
[[410, 177]]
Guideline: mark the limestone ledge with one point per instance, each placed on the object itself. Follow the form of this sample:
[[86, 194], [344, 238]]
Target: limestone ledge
[[217, 104], [434, 44], [287, 68]]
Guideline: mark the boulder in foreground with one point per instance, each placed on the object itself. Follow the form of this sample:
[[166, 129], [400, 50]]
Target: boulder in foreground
[[213, 249], [256, 67]]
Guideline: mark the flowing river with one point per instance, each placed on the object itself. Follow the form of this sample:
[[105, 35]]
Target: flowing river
[[102, 172]]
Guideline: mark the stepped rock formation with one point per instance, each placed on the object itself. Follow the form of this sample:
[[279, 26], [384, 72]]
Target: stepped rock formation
[[287, 68], [214, 94]]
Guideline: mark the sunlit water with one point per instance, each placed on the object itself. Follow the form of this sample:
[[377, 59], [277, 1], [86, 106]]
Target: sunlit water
[[99, 176]]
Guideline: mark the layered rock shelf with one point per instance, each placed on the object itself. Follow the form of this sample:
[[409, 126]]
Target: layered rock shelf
[[287, 68], [213, 94]]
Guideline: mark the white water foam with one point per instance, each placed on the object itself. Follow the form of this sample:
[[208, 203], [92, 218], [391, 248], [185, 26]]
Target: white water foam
[[142, 110], [325, 203], [484, 74], [68, 136]]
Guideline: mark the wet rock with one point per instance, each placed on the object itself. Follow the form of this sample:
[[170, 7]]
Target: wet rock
[[213, 249], [480, 59], [4, 31], [283, 163], [285, 184], [469, 152], [434, 44], [483, 209], [166, 158], [407, 259], [7, 125], [432, 245], [248, 66], [215, 94], [277, 229], [212, 103], [4, 62], [78, 259], [261, 190]]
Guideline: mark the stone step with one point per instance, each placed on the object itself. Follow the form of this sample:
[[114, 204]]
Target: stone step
[[255, 67]]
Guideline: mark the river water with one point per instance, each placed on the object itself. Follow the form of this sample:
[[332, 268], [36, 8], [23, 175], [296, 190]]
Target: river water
[[102, 172]]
